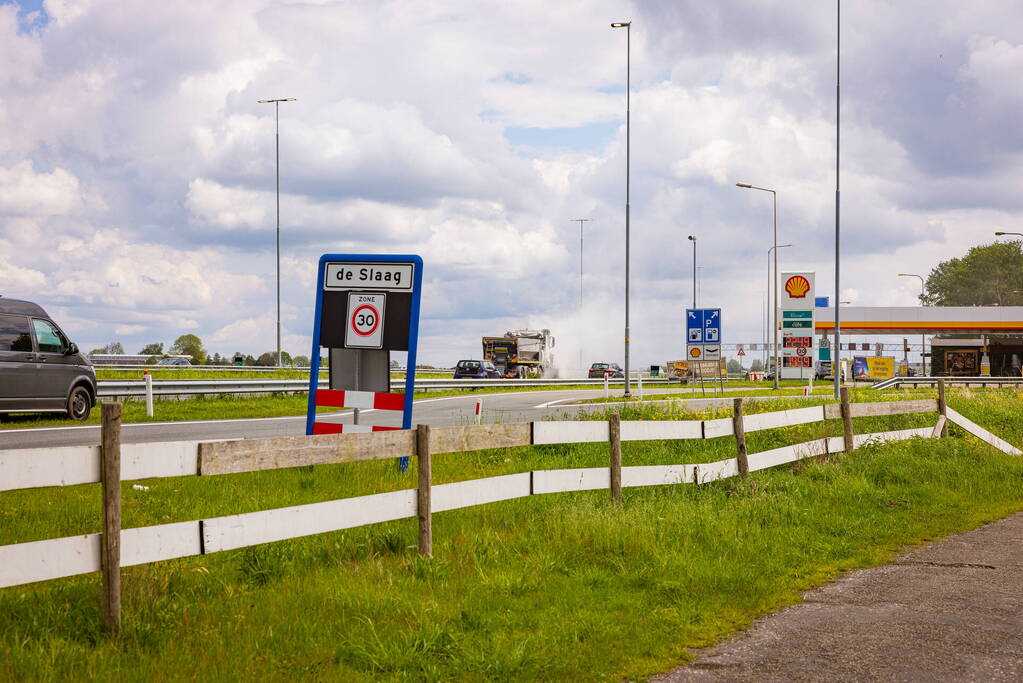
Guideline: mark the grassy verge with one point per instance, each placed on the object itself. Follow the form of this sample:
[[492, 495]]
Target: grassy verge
[[549, 587]]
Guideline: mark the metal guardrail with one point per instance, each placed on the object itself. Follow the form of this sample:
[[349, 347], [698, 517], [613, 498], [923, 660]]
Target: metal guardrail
[[933, 381], [188, 387]]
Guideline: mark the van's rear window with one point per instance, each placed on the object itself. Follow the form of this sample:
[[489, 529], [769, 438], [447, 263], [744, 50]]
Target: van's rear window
[[14, 333]]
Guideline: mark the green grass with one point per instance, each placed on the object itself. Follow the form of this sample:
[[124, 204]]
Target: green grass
[[564, 586]]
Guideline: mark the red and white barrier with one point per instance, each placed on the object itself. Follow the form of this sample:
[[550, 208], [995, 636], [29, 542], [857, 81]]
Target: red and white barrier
[[366, 400]]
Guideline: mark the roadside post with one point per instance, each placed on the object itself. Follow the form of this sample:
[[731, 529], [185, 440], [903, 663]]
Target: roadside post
[[149, 392], [367, 305]]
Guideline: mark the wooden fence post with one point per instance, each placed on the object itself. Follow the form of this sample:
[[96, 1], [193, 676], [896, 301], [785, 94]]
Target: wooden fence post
[[847, 427], [942, 408], [615, 431], [740, 438], [423, 492], [110, 539]]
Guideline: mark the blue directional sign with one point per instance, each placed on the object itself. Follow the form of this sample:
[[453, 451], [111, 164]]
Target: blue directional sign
[[694, 325], [703, 325]]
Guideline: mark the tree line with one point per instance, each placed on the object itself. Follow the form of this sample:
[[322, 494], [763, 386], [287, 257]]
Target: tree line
[[191, 345]]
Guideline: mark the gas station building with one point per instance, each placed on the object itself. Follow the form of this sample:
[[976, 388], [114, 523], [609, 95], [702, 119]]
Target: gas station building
[[964, 340]]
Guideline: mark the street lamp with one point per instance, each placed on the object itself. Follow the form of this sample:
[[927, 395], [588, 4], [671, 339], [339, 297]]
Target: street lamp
[[693, 240], [277, 139], [923, 338], [627, 25], [580, 221], [774, 203], [838, 102], [774, 335], [1020, 234]]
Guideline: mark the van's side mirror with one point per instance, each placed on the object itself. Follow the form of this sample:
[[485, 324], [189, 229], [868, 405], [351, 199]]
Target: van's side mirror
[[72, 349]]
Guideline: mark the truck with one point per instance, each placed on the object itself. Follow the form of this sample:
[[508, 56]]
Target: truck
[[522, 353]]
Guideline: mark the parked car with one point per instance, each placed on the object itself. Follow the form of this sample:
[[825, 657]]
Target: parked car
[[476, 369], [172, 361], [40, 369], [598, 370]]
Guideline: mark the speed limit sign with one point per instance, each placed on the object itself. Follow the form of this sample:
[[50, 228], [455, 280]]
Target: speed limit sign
[[365, 321]]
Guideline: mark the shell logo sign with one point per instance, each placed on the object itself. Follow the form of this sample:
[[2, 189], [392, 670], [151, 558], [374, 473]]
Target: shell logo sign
[[797, 286]]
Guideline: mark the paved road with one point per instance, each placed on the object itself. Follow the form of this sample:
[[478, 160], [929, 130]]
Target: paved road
[[521, 406], [949, 612]]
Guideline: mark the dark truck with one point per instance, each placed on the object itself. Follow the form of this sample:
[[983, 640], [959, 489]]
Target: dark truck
[[521, 353]]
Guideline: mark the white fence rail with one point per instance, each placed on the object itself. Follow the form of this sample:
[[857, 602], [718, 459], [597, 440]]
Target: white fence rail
[[53, 558]]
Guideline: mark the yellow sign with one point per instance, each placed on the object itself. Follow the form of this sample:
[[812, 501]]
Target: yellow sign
[[880, 368]]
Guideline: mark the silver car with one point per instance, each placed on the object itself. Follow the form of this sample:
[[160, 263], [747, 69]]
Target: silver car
[[40, 369]]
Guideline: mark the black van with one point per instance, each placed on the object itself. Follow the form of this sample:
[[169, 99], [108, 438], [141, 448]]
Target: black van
[[40, 370]]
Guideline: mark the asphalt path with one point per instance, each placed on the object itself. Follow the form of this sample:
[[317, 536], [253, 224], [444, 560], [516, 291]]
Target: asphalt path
[[950, 612], [516, 406]]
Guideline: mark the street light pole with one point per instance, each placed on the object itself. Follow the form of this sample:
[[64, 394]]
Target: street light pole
[[693, 239], [627, 25], [277, 146], [836, 369], [775, 247], [580, 221], [923, 338], [774, 335]]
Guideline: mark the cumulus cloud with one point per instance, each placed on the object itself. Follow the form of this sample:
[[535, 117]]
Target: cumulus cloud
[[137, 170]]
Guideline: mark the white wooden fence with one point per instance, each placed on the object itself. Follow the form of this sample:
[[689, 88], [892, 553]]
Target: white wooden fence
[[23, 563]]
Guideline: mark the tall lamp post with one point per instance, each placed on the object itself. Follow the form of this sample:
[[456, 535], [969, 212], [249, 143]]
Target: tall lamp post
[[580, 221], [774, 204], [627, 25], [277, 140], [774, 335], [1019, 234], [692, 238], [923, 290], [838, 102]]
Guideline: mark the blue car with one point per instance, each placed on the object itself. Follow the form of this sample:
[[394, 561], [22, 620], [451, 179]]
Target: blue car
[[476, 369]]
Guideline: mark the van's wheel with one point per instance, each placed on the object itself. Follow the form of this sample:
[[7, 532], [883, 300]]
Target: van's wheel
[[79, 403]]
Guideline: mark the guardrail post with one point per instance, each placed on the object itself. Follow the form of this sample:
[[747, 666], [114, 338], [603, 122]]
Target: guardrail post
[[740, 438], [615, 433], [942, 407], [607, 391], [847, 426], [424, 512], [110, 539], [149, 392]]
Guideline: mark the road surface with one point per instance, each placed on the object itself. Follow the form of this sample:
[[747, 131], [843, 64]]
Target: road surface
[[517, 406]]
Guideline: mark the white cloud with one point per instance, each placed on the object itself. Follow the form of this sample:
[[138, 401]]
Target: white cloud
[[137, 168]]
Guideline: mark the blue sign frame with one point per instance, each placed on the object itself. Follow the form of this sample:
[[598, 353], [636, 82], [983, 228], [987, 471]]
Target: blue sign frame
[[413, 333]]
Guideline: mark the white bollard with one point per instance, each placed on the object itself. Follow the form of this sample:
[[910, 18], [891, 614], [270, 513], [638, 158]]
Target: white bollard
[[149, 392], [639, 380], [607, 391], [479, 411]]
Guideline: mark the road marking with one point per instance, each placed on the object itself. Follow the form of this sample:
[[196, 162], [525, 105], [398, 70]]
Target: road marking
[[551, 403]]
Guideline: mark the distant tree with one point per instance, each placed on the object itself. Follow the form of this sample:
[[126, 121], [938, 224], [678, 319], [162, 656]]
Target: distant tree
[[757, 364], [189, 345], [216, 359], [267, 360], [989, 275], [732, 366], [301, 361], [394, 365], [112, 347], [152, 349]]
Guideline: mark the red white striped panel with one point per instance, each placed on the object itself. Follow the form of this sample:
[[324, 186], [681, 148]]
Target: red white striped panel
[[360, 399], [337, 428]]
